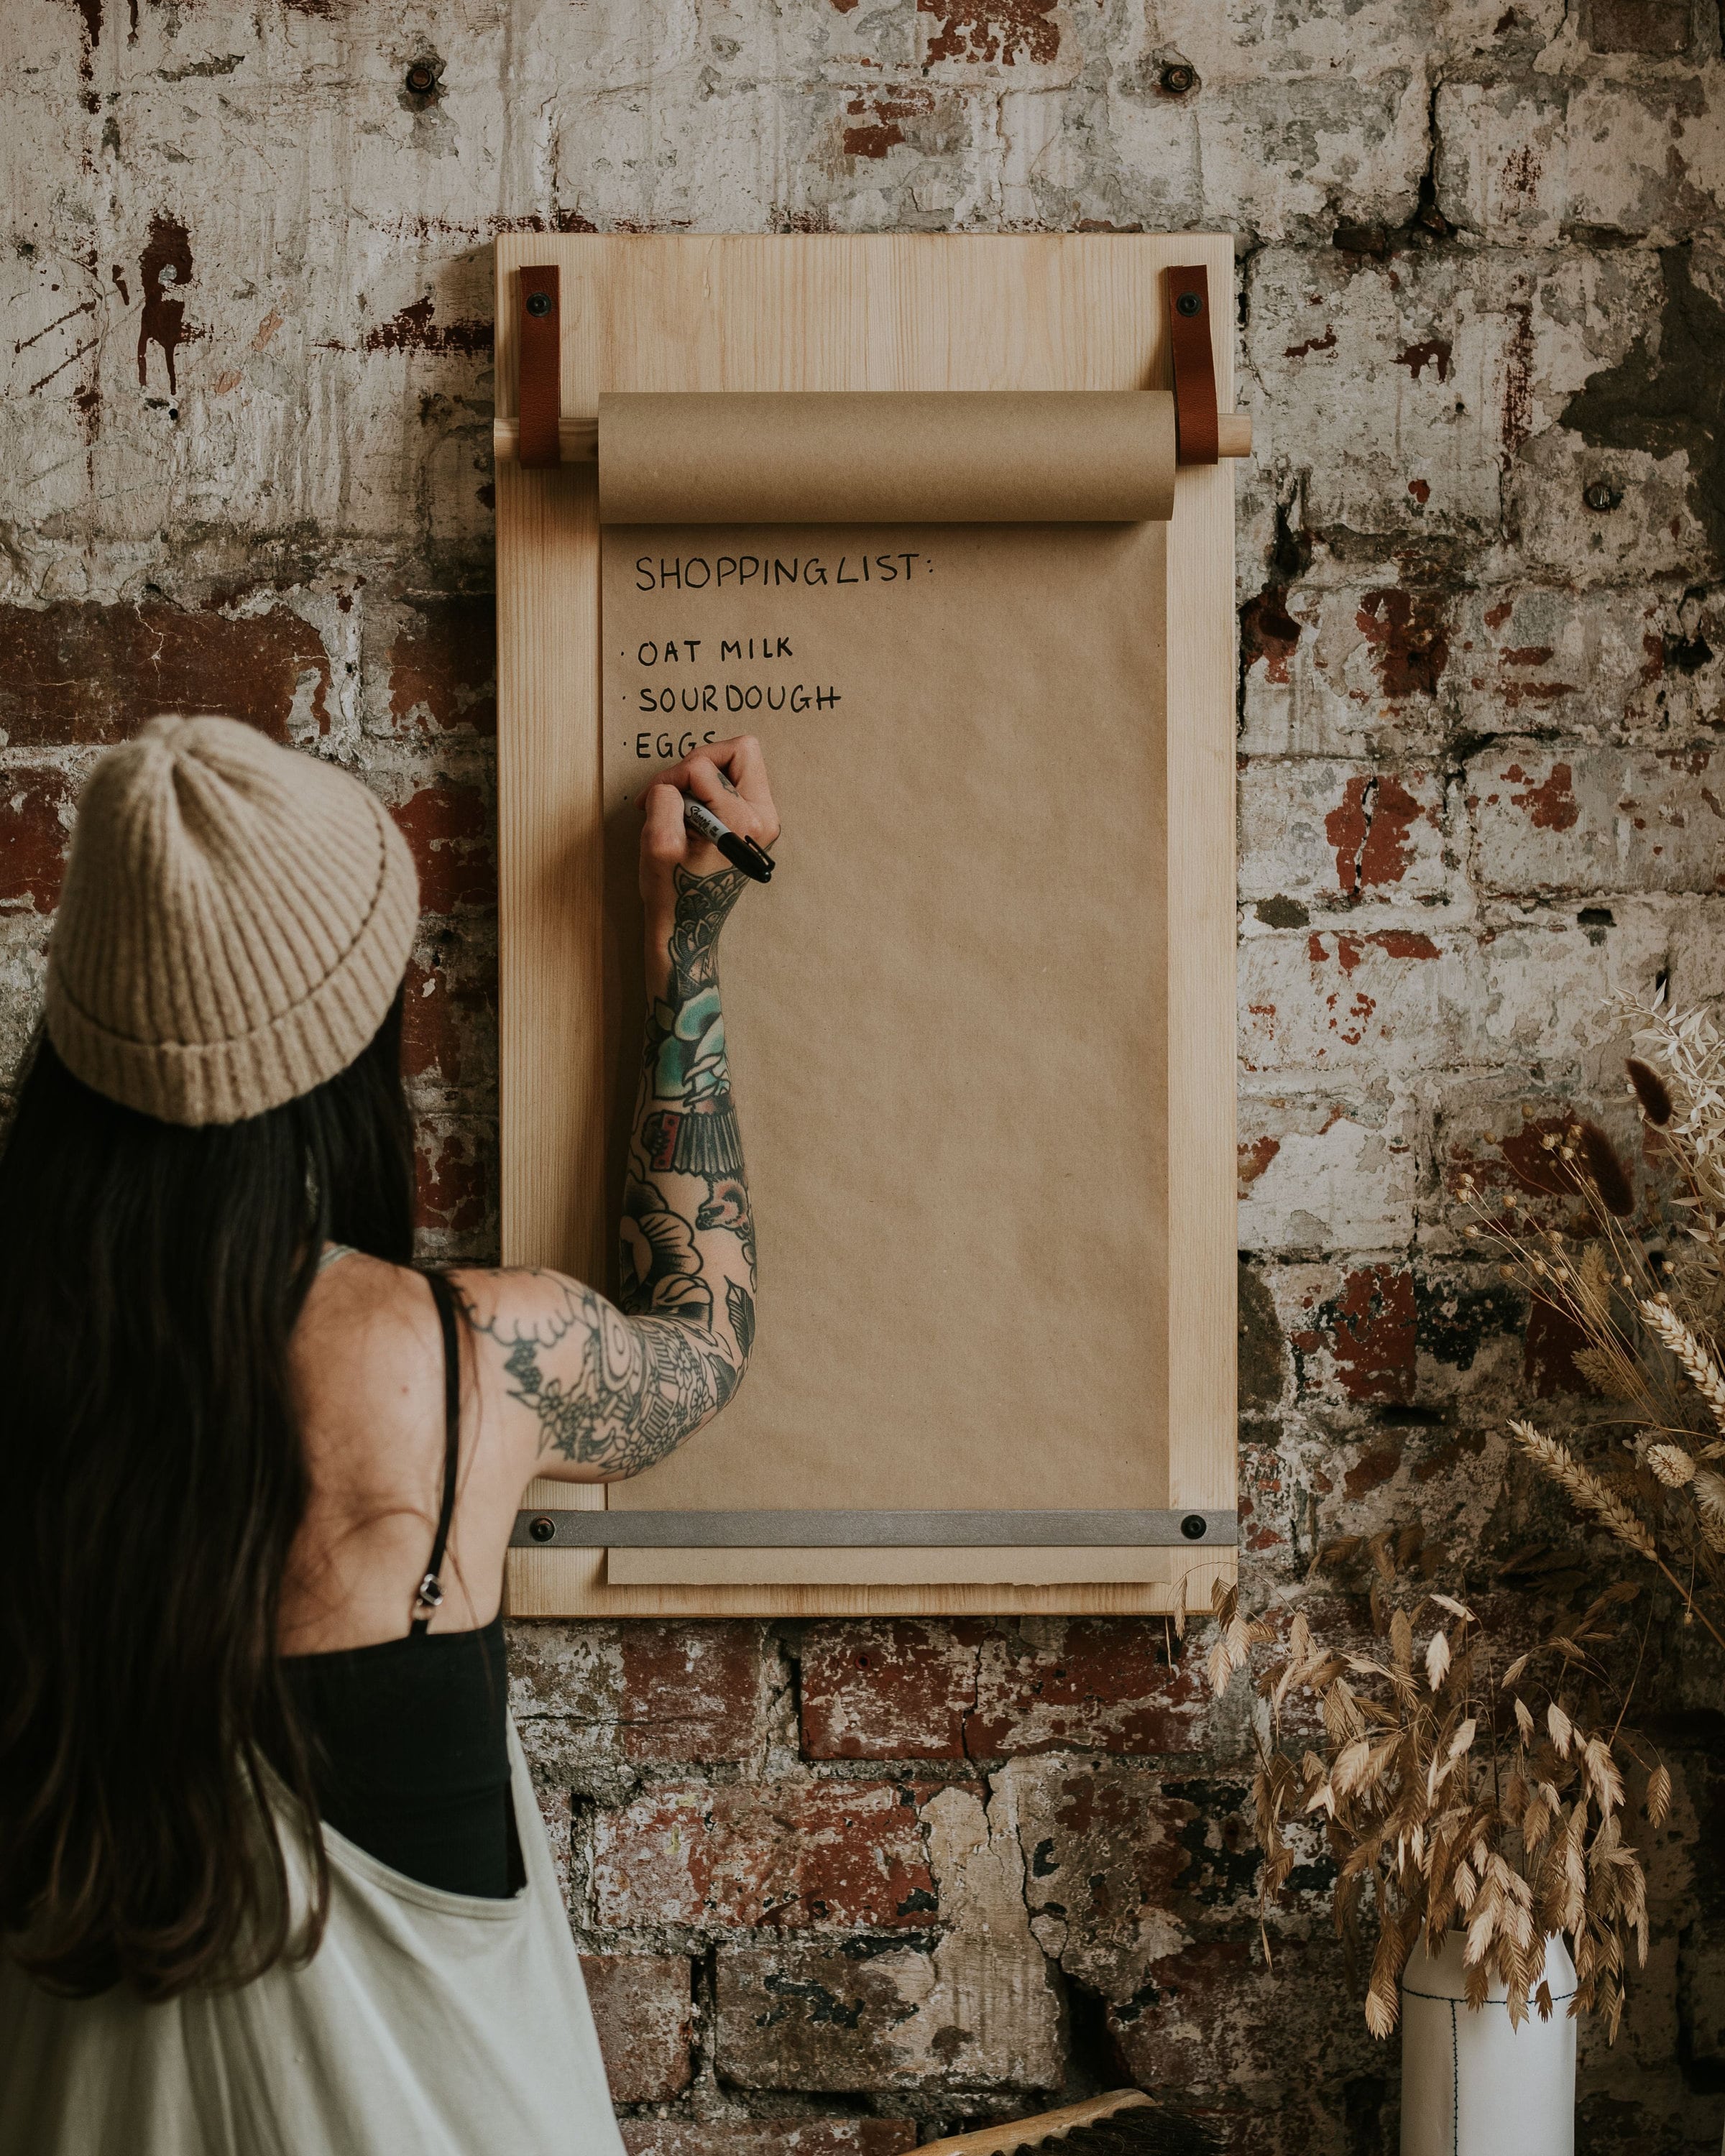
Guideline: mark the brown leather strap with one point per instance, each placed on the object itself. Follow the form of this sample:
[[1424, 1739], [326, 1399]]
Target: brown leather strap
[[1189, 300], [539, 395]]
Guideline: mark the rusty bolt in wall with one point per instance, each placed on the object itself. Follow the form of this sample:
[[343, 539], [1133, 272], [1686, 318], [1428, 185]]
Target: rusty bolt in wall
[[1600, 495], [424, 78], [1178, 78]]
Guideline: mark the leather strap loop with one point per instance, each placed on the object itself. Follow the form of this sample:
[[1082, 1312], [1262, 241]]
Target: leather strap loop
[[539, 390], [1189, 294]]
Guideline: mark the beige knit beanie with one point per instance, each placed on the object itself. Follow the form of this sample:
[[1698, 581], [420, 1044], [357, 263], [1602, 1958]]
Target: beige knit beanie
[[235, 920]]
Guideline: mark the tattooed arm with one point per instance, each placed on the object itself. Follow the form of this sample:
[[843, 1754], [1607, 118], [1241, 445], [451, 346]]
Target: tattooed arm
[[600, 1391]]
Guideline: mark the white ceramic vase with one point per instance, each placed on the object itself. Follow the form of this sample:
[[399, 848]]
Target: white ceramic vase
[[1473, 2085]]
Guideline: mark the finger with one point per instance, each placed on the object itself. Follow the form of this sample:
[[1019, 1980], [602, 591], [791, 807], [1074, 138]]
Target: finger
[[743, 764], [697, 779], [707, 758], [664, 838], [748, 810], [727, 759], [702, 777]]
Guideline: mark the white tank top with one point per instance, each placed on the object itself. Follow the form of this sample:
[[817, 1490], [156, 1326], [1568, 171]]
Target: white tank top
[[427, 2024]]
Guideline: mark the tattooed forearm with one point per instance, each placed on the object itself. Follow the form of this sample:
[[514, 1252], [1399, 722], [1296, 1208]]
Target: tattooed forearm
[[614, 1387], [703, 904], [687, 1235], [687, 1124]]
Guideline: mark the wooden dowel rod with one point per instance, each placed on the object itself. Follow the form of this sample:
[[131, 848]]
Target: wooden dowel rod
[[580, 438]]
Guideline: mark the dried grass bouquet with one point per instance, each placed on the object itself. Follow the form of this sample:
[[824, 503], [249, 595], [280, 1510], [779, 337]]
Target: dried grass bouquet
[[1644, 1298], [1461, 1787]]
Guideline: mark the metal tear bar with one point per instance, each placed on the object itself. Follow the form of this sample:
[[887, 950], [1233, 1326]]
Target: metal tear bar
[[1193, 1529]]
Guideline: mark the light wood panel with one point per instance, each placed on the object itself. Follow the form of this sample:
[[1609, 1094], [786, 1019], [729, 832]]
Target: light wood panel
[[890, 312]]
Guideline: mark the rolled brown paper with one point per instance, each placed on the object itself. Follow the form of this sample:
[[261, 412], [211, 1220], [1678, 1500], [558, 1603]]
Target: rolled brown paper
[[580, 438], [886, 457]]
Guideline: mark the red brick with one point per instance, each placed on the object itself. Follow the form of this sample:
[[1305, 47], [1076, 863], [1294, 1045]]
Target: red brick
[[79, 672], [449, 1014], [446, 666], [1214, 2024], [1408, 633], [1545, 1187], [889, 1691], [691, 1692], [1553, 1340], [791, 1854], [1107, 1685], [454, 1181], [555, 1809], [768, 2137], [1129, 1861], [644, 2009], [821, 2018], [923, 1691], [1596, 819], [452, 831], [1360, 1345], [35, 809]]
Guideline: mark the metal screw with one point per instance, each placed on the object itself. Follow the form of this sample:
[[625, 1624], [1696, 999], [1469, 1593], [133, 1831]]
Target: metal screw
[[538, 303], [1599, 495], [1188, 303], [421, 79], [1192, 1528], [168, 274], [542, 1530], [1178, 78]]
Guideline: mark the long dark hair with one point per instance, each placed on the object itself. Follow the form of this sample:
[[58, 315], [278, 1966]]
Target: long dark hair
[[151, 1482]]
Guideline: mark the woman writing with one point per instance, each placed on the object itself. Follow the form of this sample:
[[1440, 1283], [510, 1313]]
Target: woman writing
[[272, 1878]]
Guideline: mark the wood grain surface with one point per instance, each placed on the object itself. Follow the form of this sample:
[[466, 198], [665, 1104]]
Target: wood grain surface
[[889, 311]]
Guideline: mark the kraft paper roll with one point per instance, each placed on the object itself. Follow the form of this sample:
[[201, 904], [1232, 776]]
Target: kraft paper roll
[[946, 1018], [887, 457]]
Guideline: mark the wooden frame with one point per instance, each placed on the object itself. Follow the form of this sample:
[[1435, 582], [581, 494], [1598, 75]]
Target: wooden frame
[[892, 311]]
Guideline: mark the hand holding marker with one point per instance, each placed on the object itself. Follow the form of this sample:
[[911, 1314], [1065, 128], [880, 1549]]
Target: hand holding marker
[[741, 853], [721, 792]]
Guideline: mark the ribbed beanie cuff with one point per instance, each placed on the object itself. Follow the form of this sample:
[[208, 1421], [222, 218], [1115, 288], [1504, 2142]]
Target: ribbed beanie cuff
[[235, 921]]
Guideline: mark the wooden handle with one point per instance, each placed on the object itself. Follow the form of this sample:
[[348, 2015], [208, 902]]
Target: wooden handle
[[1025, 2132], [580, 438]]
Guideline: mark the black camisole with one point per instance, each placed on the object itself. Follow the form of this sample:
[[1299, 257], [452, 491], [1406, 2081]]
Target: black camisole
[[408, 1738]]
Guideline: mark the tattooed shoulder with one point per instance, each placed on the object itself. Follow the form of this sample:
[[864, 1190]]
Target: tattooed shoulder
[[607, 1391]]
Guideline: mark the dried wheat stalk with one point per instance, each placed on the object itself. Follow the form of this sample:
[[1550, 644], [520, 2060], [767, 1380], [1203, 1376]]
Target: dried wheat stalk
[[1699, 1367], [1554, 1461], [1651, 1321], [1447, 1804]]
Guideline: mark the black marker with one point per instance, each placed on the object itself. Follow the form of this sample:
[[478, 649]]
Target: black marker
[[741, 853]]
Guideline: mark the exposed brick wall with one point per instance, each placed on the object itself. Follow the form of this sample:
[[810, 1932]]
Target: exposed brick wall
[[840, 1884]]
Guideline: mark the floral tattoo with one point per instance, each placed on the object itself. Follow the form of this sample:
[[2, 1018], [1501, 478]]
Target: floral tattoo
[[620, 1388]]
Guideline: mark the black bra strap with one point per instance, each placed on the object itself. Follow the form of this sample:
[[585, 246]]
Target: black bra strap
[[431, 1592]]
